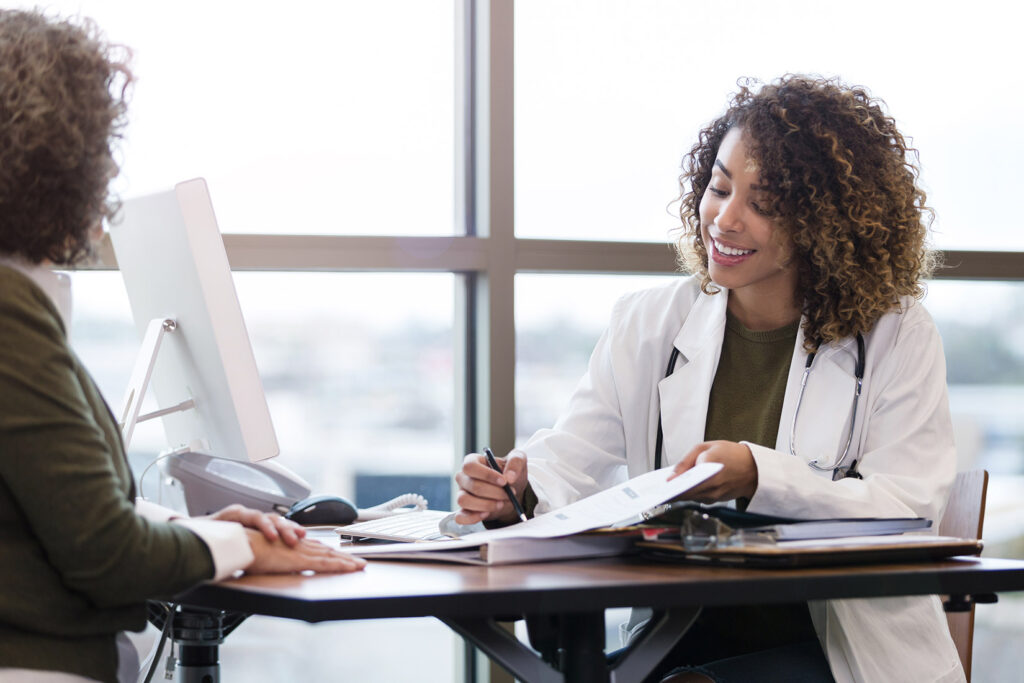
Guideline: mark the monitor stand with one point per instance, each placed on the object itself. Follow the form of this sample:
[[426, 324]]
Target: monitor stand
[[209, 483], [139, 380]]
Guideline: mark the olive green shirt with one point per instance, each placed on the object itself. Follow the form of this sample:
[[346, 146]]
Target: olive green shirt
[[750, 384], [76, 562]]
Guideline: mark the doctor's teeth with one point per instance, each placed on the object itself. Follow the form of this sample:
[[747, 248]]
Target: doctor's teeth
[[730, 251]]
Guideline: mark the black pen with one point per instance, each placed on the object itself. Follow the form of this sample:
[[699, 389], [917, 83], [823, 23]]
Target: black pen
[[508, 489]]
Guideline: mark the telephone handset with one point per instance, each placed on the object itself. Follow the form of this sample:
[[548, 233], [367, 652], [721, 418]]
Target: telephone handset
[[210, 483]]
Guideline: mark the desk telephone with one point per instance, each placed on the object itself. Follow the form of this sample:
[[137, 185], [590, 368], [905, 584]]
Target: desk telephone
[[210, 483]]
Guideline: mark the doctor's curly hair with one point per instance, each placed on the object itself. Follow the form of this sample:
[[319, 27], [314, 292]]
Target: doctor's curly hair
[[62, 106], [844, 194]]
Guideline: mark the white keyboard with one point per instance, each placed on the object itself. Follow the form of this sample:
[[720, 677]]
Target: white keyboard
[[415, 525]]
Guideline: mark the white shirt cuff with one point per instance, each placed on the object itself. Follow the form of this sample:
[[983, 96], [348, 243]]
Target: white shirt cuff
[[153, 512], [227, 541]]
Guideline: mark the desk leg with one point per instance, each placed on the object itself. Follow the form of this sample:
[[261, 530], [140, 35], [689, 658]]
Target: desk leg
[[660, 636], [198, 633], [583, 657], [198, 663], [504, 648], [577, 652]]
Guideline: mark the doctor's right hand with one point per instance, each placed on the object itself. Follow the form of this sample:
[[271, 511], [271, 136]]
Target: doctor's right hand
[[482, 496]]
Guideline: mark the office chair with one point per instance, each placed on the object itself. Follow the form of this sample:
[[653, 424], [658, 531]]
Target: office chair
[[963, 518]]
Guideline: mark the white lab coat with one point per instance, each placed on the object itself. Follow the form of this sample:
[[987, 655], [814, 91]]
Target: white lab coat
[[903, 441]]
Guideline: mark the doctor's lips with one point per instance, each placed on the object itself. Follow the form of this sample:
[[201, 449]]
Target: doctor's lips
[[726, 255]]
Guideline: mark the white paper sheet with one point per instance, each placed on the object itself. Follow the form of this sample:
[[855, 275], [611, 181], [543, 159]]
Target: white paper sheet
[[625, 501]]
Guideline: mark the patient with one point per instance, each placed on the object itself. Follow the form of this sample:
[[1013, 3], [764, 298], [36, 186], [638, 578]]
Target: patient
[[78, 556]]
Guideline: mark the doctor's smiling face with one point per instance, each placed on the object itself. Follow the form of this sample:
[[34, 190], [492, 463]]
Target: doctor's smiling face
[[744, 253]]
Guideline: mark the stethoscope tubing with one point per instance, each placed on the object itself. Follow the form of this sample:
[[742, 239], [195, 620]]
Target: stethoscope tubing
[[838, 471], [836, 468]]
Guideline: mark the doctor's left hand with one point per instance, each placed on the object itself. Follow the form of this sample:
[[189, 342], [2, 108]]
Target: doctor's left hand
[[271, 525], [737, 479]]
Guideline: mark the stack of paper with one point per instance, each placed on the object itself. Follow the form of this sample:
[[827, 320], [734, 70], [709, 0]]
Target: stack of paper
[[555, 535]]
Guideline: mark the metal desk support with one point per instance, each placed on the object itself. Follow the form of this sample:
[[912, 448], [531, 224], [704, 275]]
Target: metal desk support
[[571, 655], [198, 632]]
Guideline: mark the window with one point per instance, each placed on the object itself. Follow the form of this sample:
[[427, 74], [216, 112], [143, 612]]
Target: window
[[452, 195], [558, 320], [610, 94], [327, 118], [330, 118]]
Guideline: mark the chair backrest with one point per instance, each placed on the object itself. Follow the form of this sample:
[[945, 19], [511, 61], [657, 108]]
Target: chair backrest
[[964, 518]]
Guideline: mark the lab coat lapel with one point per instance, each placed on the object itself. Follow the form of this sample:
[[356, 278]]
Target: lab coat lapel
[[684, 394]]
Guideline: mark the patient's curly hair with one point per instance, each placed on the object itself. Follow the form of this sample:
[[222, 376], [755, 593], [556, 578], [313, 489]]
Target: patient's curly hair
[[62, 105], [843, 192]]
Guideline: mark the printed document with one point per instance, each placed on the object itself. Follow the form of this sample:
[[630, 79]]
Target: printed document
[[623, 502]]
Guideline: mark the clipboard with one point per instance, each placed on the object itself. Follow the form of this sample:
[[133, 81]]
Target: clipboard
[[818, 552]]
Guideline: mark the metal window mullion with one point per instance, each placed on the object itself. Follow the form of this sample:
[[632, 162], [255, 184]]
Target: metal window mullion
[[495, 225], [493, 209], [466, 295]]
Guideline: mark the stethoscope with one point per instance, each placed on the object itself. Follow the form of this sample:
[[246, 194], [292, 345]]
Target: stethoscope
[[837, 468]]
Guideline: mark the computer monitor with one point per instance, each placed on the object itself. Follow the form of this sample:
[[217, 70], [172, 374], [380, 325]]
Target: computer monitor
[[171, 255]]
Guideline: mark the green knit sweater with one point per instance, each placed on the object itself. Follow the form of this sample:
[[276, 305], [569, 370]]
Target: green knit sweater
[[76, 562]]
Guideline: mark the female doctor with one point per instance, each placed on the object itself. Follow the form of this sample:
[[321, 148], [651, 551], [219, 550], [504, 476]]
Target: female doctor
[[797, 355]]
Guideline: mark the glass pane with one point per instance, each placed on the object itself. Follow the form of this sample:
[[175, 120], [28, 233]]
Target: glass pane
[[985, 370], [356, 384], [271, 650], [104, 337], [358, 372], [330, 117], [611, 93], [558, 320]]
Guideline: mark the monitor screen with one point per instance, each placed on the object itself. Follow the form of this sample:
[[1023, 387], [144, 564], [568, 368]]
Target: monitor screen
[[171, 255]]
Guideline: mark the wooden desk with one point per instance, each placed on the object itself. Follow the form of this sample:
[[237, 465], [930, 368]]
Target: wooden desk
[[573, 595]]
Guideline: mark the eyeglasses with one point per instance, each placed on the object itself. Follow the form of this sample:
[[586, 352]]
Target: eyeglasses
[[701, 531]]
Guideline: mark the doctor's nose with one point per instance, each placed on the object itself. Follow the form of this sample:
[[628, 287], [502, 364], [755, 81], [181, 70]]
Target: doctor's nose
[[729, 218]]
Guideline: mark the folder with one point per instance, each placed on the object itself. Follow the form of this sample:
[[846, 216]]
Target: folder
[[818, 552], [508, 550], [719, 518]]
